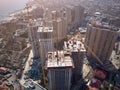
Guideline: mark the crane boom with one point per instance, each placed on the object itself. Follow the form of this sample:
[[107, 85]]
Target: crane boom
[[27, 7], [44, 80]]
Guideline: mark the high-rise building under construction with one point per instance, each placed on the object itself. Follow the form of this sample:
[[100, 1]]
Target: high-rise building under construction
[[77, 49], [46, 40], [74, 14], [59, 26], [59, 66]]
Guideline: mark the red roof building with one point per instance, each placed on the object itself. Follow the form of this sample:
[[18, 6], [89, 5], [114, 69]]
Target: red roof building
[[99, 73], [2, 69]]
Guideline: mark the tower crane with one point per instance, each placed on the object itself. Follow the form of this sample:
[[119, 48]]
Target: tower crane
[[39, 47], [27, 8]]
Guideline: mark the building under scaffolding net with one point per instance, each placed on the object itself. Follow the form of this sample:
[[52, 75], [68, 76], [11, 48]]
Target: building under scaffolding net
[[59, 66], [45, 35]]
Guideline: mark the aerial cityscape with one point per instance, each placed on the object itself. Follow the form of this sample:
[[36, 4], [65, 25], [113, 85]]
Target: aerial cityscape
[[60, 45]]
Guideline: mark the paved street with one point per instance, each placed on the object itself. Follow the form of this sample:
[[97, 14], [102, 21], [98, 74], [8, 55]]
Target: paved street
[[27, 67], [12, 80]]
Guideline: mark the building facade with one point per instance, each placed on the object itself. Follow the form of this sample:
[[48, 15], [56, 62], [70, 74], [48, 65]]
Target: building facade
[[59, 26], [33, 39], [101, 40], [78, 51], [59, 69], [46, 40]]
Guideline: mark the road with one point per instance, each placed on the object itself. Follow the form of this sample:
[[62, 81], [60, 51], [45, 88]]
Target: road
[[28, 45], [13, 81], [27, 67]]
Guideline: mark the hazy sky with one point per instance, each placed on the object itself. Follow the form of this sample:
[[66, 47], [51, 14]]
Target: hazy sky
[[11, 5]]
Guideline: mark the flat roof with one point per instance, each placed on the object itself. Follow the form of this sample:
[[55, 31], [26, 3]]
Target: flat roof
[[45, 29], [103, 26], [69, 6], [62, 60]]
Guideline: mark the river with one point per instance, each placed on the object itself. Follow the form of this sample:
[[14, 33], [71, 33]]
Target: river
[[8, 6]]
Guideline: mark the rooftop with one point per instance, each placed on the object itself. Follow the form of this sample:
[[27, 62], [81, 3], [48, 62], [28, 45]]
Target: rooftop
[[45, 29], [100, 22], [69, 6], [74, 45], [62, 60]]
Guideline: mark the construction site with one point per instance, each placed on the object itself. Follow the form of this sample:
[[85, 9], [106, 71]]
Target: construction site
[[50, 50]]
